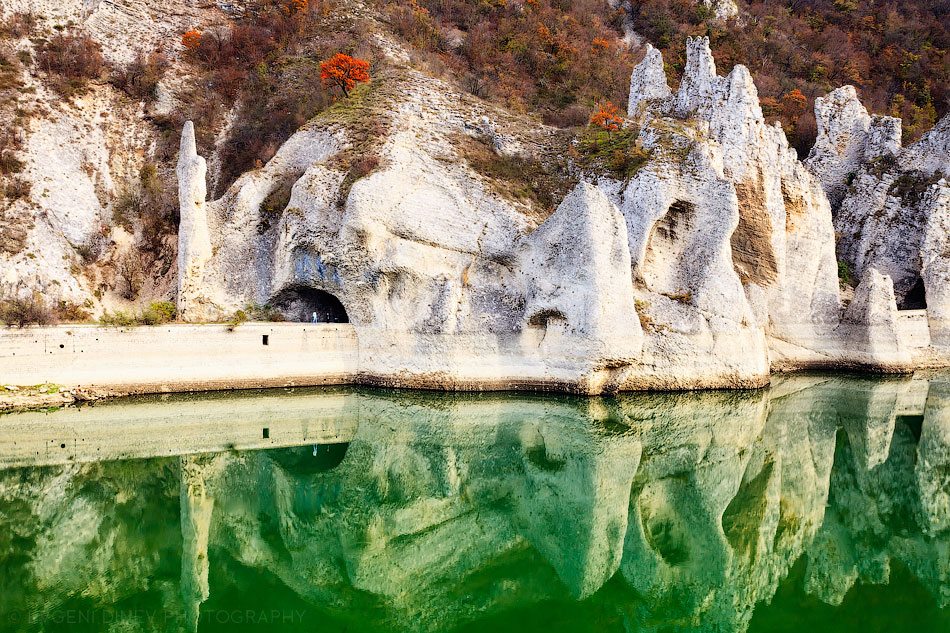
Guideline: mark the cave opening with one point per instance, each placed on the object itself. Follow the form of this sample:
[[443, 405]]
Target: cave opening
[[301, 303], [916, 297], [547, 316]]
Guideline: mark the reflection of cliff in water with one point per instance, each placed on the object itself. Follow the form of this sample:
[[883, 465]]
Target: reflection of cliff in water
[[663, 511]]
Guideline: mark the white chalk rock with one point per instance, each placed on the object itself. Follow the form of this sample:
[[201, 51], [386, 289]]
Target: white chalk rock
[[647, 82], [847, 137], [578, 276], [723, 9], [869, 325], [194, 242]]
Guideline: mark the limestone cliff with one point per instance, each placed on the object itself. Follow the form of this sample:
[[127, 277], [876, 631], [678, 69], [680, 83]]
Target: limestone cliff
[[726, 251], [892, 203], [709, 262], [73, 234]]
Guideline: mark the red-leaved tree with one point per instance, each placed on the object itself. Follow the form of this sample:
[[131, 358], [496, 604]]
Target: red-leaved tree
[[606, 117], [343, 71]]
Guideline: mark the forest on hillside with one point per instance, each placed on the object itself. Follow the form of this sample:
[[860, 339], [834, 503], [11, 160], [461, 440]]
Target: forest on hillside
[[559, 58]]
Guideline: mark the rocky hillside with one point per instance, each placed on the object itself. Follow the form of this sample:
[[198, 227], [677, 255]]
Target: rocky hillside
[[681, 245]]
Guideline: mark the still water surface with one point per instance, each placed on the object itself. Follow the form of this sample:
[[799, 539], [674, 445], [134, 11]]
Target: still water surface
[[819, 504]]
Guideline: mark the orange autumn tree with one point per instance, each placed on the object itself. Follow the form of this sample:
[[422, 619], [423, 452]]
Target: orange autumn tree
[[343, 71], [606, 117], [191, 40], [296, 6], [795, 101]]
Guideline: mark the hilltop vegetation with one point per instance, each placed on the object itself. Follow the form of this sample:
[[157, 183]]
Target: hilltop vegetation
[[561, 57]]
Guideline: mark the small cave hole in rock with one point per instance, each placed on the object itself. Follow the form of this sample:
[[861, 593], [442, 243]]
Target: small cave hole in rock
[[304, 304], [265, 339], [915, 423], [916, 297], [545, 317], [266, 433]]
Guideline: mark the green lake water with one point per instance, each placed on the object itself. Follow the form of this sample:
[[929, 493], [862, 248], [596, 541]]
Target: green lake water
[[819, 504]]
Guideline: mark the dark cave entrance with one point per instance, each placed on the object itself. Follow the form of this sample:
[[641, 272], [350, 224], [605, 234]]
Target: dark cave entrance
[[916, 297], [299, 303]]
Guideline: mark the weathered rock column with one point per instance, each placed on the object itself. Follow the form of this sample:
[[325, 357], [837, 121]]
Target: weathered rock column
[[647, 82], [935, 263], [869, 326], [194, 243]]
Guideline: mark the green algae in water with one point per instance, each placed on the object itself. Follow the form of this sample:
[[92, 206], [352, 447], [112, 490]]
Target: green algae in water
[[819, 504]]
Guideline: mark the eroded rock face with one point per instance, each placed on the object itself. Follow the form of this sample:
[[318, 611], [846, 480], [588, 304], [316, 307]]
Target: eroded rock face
[[577, 273], [194, 243], [847, 138], [765, 222], [723, 9], [893, 208], [683, 276], [648, 81], [123, 27], [871, 321]]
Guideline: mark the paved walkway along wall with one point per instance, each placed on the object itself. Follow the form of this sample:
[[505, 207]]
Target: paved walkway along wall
[[179, 357]]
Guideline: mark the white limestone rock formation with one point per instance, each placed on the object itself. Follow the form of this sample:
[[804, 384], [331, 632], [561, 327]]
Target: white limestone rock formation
[[931, 153], [935, 263], [894, 213], [771, 222], [784, 242], [713, 260], [848, 137], [723, 9], [194, 243], [681, 212], [647, 82], [870, 324], [577, 274], [433, 268]]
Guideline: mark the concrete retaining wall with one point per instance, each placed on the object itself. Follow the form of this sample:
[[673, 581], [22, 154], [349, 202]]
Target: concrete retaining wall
[[179, 357]]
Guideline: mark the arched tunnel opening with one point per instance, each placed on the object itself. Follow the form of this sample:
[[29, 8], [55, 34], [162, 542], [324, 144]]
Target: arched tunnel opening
[[916, 297], [305, 304]]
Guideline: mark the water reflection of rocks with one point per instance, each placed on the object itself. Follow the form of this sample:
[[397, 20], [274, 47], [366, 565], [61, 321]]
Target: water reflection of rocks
[[657, 509]]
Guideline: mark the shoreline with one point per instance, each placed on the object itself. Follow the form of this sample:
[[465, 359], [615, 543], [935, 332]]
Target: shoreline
[[60, 365], [44, 398]]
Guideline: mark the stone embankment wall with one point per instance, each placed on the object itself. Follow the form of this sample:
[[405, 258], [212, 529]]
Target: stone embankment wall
[[179, 357]]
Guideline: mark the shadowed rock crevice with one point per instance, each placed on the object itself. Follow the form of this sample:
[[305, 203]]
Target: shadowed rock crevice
[[666, 246], [752, 252]]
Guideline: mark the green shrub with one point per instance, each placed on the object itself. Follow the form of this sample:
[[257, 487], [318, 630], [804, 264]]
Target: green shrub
[[617, 152], [166, 310], [69, 311], [156, 313], [119, 318], [844, 273], [31, 310], [256, 312]]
